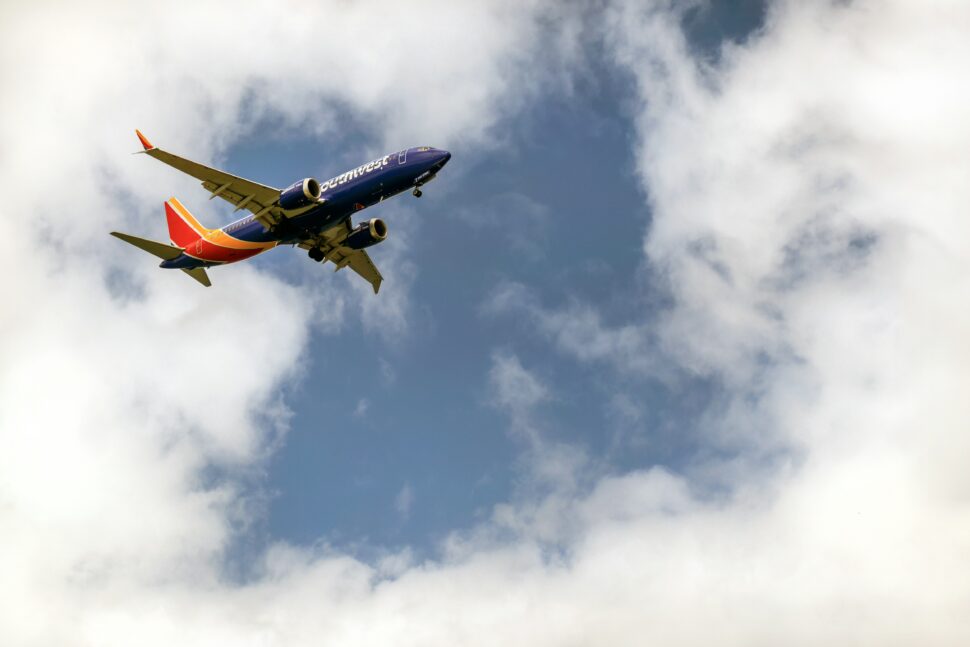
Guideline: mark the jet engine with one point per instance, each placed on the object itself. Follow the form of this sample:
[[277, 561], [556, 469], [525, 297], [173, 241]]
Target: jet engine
[[366, 234], [300, 194]]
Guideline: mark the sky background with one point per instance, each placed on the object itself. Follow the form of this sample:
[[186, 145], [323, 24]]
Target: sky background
[[675, 347], [556, 207]]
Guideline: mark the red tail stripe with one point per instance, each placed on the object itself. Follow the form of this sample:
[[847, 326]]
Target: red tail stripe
[[180, 231]]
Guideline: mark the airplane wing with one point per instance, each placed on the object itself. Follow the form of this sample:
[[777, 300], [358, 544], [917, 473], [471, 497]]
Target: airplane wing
[[356, 259], [359, 261], [261, 200]]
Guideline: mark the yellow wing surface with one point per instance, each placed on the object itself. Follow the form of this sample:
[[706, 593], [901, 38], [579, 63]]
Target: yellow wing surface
[[261, 200]]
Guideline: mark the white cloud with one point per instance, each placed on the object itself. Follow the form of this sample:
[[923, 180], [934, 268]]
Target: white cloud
[[515, 388], [551, 465], [578, 330], [404, 500], [808, 200], [808, 221], [122, 385]]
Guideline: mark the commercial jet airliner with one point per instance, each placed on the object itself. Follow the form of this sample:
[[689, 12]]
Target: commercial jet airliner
[[311, 215]]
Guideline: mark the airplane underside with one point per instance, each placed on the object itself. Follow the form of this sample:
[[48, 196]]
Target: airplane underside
[[311, 215]]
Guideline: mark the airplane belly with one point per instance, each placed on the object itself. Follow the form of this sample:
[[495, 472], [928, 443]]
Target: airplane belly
[[183, 262]]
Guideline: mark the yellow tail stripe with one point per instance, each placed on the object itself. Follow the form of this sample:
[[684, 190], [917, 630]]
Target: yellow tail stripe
[[221, 238]]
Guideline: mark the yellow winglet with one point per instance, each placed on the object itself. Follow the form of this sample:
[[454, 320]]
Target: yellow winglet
[[147, 145]]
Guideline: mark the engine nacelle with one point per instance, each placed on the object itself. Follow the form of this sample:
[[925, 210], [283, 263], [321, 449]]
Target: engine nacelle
[[366, 234], [300, 194]]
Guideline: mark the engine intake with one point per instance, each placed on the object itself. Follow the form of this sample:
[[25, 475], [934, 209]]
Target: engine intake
[[300, 194], [366, 234]]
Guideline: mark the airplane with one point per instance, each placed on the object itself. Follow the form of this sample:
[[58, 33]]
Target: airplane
[[314, 216]]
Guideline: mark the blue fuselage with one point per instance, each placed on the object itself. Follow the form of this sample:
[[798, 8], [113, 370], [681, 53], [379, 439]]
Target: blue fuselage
[[342, 196]]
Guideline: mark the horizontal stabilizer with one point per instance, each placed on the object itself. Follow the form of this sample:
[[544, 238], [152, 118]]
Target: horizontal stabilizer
[[199, 275], [161, 250]]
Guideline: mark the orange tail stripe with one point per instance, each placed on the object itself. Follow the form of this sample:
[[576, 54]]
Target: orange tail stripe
[[219, 237]]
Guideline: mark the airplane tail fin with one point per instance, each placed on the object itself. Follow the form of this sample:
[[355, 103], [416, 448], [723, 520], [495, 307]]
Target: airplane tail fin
[[183, 228]]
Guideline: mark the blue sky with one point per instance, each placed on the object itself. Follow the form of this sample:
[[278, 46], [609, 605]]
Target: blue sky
[[555, 207], [672, 351]]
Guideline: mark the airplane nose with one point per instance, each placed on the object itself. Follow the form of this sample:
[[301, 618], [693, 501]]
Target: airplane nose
[[443, 157]]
